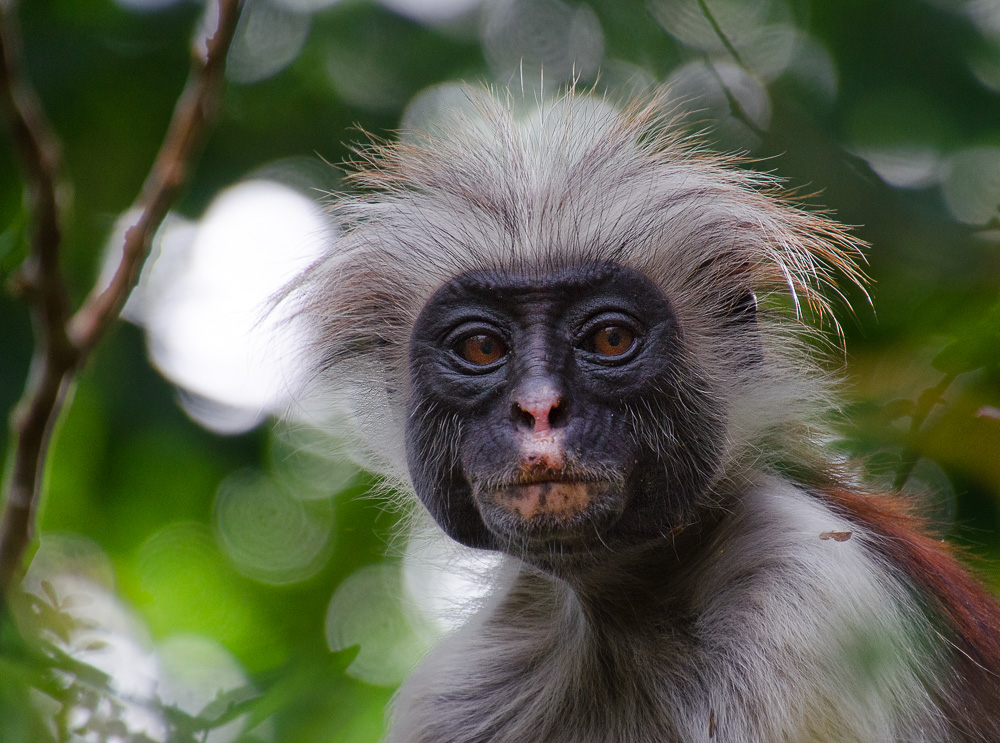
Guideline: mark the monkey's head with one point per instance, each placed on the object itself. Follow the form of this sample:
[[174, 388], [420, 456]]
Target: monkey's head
[[565, 330], [564, 396]]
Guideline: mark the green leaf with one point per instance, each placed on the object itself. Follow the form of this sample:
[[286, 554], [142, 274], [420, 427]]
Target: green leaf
[[899, 408], [14, 243], [228, 706], [296, 681], [978, 348]]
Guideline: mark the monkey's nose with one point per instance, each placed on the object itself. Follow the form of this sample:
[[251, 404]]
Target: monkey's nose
[[539, 409]]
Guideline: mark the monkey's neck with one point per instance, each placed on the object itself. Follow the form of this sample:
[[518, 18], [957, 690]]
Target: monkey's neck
[[628, 588]]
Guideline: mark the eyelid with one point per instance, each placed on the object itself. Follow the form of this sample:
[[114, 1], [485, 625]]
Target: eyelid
[[466, 330], [602, 320], [605, 318]]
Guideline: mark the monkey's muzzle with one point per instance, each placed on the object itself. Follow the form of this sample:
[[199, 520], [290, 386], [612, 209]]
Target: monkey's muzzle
[[549, 509], [551, 499]]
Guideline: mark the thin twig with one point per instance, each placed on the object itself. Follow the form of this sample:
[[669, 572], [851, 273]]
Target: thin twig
[[720, 33], [735, 106], [63, 343]]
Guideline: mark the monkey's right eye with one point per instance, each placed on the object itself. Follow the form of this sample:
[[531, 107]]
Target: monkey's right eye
[[481, 349]]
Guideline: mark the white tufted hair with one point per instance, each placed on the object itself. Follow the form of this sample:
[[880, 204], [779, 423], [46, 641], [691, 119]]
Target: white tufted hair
[[501, 184]]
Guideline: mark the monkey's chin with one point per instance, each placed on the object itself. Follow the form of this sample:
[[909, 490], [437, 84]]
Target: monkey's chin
[[551, 518]]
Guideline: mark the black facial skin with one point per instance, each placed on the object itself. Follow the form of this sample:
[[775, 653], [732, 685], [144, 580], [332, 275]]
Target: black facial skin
[[625, 416]]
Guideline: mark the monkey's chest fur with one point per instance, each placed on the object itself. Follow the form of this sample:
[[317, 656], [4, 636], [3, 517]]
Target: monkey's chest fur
[[563, 683], [780, 636]]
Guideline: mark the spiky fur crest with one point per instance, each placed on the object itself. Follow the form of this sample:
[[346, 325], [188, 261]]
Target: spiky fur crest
[[574, 181]]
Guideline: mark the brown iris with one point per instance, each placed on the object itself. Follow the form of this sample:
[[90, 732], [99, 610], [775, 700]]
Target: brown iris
[[482, 349], [613, 340]]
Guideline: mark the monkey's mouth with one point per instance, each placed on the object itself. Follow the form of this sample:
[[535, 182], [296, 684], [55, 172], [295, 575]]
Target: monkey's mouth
[[555, 499], [540, 509]]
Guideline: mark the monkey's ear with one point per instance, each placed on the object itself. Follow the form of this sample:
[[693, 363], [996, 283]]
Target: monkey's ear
[[741, 317], [744, 308]]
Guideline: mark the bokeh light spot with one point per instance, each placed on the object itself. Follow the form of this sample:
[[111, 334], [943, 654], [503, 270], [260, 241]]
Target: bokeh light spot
[[146, 5], [312, 463], [196, 670], [537, 38], [269, 535], [268, 38], [188, 588], [431, 12], [734, 101], [446, 581], [366, 610], [204, 301], [971, 187], [759, 31], [905, 167]]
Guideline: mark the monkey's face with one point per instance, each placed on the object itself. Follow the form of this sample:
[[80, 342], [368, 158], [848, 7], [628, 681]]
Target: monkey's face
[[553, 415]]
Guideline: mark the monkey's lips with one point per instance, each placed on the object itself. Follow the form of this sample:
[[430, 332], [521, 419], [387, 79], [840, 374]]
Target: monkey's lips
[[547, 508], [557, 501]]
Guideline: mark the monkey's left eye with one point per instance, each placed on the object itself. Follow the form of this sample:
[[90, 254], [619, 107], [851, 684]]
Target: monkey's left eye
[[611, 342], [482, 349]]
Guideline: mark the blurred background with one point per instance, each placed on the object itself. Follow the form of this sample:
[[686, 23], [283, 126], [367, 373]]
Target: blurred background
[[205, 573]]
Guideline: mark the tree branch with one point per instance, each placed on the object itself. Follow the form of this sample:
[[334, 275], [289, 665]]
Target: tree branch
[[63, 343], [40, 282], [196, 109]]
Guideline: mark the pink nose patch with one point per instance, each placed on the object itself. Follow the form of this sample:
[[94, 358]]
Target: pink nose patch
[[539, 404]]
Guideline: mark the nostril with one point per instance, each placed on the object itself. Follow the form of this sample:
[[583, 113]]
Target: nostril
[[557, 414], [539, 414], [521, 416]]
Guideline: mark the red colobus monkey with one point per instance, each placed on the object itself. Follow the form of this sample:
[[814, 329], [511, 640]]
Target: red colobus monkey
[[577, 337]]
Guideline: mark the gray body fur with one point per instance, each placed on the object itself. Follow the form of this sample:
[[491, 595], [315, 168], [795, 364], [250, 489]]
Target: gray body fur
[[771, 633]]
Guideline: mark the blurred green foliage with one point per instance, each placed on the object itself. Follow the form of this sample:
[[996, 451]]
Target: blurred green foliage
[[914, 85]]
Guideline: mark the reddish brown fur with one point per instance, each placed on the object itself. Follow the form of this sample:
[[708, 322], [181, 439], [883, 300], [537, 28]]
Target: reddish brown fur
[[967, 616]]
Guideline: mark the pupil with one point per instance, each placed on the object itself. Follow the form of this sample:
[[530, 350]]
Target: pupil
[[486, 347], [614, 338]]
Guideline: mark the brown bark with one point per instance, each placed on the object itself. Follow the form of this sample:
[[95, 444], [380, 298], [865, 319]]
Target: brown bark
[[63, 342]]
